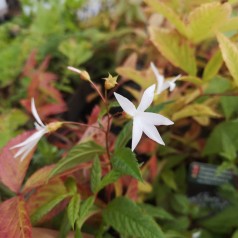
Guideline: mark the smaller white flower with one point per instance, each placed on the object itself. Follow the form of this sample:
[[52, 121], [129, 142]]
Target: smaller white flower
[[27, 145], [162, 84], [143, 121]]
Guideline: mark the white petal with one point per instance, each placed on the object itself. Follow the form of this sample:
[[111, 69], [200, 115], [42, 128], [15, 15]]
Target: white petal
[[172, 82], [126, 105], [35, 114], [25, 150], [136, 133], [36, 136], [147, 98], [152, 133], [155, 119], [159, 77]]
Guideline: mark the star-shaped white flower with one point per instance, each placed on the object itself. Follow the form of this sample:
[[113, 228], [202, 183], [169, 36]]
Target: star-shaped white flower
[[162, 84], [27, 145], [143, 121]]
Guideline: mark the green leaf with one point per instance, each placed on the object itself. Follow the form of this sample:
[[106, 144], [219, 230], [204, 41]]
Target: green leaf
[[176, 49], [10, 121], [205, 20], [43, 210], [95, 175], [169, 179], [71, 185], [124, 161], [156, 212], [180, 204], [229, 150], [223, 222], [73, 209], [229, 105], [182, 223], [129, 220], [213, 66], [84, 211], [166, 11], [80, 153], [124, 136], [230, 55], [109, 178], [77, 52], [235, 234], [214, 143]]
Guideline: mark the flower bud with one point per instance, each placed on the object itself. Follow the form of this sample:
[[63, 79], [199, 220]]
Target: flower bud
[[84, 74], [110, 82], [53, 126]]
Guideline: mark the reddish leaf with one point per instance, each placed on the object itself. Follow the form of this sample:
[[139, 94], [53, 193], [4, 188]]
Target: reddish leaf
[[42, 88], [44, 195], [132, 188], [153, 167], [39, 178], [13, 171], [14, 219]]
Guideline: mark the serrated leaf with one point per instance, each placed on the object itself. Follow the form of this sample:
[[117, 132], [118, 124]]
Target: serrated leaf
[[109, 178], [84, 211], [195, 110], [205, 20], [124, 136], [14, 219], [213, 66], [129, 220], [230, 55], [156, 212], [80, 153], [45, 198], [166, 11], [73, 209], [124, 161], [175, 49], [96, 174], [43, 210]]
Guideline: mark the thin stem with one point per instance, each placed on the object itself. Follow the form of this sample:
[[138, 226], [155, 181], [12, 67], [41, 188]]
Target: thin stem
[[82, 124], [98, 91], [108, 126]]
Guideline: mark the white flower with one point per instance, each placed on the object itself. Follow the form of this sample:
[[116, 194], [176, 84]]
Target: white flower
[[27, 145], [143, 121], [163, 85]]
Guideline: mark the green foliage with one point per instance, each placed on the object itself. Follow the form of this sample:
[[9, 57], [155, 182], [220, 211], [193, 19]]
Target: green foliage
[[95, 175], [177, 50], [127, 218], [73, 209], [43, 210], [124, 136], [124, 161], [224, 131], [80, 153]]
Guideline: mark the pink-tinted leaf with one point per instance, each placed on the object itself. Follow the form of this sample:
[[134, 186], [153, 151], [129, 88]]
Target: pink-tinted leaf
[[39, 178], [14, 219], [44, 200], [13, 170]]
